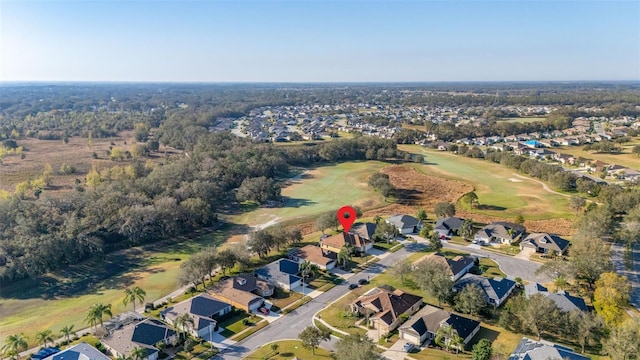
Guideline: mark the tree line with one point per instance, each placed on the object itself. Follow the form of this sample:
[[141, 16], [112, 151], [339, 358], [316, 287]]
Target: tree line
[[150, 204]]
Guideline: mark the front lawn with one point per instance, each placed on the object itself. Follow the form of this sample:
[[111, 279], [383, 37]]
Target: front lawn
[[282, 298], [236, 321], [289, 349], [338, 314]]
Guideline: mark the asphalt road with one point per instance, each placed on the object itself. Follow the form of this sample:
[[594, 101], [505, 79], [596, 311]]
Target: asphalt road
[[512, 266], [289, 326]]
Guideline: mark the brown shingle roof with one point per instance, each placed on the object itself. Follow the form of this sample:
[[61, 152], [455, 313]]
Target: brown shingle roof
[[313, 254], [387, 305], [339, 240]]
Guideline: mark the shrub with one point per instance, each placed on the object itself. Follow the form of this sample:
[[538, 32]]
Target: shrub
[[66, 169]]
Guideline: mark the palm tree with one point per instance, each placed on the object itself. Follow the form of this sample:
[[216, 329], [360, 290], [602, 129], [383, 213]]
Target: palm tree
[[307, 269], [182, 323], [95, 314], [377, 219], [133, 294], [344, 255], [67, 331], [138, 353], [13, 344], [43, 337], [448, 336]]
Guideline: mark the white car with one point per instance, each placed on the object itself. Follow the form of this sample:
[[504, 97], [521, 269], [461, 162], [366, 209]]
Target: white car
[[407, 347]]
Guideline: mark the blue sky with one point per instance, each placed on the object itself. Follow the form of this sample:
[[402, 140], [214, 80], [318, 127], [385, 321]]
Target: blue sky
[[323, 41]]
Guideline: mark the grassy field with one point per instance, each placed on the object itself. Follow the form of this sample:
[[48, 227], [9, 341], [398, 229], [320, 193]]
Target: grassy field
[[319, 190], [500, 192], [63, 297], [287, 350]]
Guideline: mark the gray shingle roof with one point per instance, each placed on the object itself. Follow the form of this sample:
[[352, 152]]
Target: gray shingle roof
[[529, 349], [493, 288], [81, 351]]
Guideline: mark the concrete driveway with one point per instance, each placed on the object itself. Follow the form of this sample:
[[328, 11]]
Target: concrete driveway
[[395, 352]]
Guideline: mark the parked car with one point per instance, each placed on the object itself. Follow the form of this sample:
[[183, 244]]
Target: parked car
[[363, 281], [264, 310], [407, 347], [352, 286]]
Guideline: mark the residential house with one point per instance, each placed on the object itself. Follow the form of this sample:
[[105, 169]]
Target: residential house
[[406, 224], [563, 300], [335, 243], [203, 309], [457, 266], [424, 325], [364, 230], [629, 175], [448, 226], [500, 232], [81, 351], [282, 273], [496, 290], [243, 291], [545, 243], [324, 259], [145, 334], [529, 349], [385, 308]]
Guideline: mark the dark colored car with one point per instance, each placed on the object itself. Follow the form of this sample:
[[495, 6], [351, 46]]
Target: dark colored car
[[352, 286], [363, 281]]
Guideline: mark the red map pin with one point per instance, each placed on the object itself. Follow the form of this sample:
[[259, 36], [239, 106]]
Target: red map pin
[[346, 216]]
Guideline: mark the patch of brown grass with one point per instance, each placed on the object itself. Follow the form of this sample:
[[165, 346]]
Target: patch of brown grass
[[77, 153]]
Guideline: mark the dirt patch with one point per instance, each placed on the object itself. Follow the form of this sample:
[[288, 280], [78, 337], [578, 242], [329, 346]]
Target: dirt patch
[[417, 190]]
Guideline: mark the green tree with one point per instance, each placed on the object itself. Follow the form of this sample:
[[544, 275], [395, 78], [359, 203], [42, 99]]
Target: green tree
[[183, 323], [226, 259], [576, 203], [471, 198], [13, 344], [67, 331], [611, 296], [311, 337], [261, 242], [356, 347], [274, 348], [386, 231], [44, 337], [327, 220], [435, 244], [470, 300], [540, 314], [445, 209], [96, 313], [422, 215], [133, 295], [344, 255], [448, 337], [401, 269], [466, 229], [482, 350], [434, 278], [636, 150], [585, 327], [259, 189], [624, 341], [138, 353]]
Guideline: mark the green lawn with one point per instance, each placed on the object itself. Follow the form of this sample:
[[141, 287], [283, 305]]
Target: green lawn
[[63, 297], [233, 322], [322, 189], [289, 349], [501, 193]]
